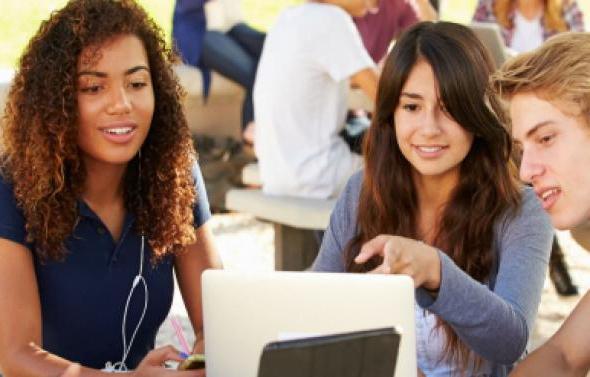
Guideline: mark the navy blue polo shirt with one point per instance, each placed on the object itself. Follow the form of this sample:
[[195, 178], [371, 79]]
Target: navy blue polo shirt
[[83, 298]]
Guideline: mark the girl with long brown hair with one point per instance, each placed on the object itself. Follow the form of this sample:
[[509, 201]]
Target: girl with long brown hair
[[438, 200], [525, 24], [101, 198]]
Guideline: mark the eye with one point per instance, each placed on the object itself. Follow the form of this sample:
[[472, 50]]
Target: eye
[[411, 107], [547, 139], [138, 84], [91, 89]]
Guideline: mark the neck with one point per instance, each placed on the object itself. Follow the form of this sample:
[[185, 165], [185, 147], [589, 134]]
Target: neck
[[433, 194], [530, 8], [104, 184]]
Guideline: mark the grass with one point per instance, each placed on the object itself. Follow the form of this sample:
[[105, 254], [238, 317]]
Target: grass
[[20, 19]]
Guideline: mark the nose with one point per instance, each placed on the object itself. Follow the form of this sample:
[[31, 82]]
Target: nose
[[430, 124], [119, 101], [530, 166]]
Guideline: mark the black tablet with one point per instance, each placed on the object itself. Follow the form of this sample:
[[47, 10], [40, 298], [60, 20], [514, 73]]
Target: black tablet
[[370, 353]]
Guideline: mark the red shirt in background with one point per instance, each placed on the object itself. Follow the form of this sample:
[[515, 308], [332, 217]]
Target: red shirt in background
[[379, 29]]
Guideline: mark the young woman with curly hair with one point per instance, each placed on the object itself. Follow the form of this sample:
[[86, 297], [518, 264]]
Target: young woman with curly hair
[[525, 24], [438, 200], [100, 195]]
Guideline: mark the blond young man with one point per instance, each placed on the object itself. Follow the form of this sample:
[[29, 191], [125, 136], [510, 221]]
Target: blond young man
[[548, 93]]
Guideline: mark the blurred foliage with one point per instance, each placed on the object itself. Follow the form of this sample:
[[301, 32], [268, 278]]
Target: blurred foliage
[[19, 20]]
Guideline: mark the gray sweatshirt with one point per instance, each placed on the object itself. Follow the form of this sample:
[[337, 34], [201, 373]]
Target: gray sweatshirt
[[494, 319]]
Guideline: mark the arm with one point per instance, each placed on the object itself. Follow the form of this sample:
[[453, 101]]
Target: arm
[[189, 266], [20, 326], [426, 10], [367, 80], [567, 353], [20, 318], [484, 11], [341, 229], [574, 18], [497, 324]]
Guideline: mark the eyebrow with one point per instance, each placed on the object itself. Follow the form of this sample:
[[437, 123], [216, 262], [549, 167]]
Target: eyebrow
[[104, 74], [537, 127], [411, 95]]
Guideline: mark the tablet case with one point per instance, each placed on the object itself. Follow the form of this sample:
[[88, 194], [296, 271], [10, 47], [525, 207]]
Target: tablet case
[[370, 353]]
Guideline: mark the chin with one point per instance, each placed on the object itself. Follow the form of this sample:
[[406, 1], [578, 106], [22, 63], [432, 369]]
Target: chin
[[567, 221]]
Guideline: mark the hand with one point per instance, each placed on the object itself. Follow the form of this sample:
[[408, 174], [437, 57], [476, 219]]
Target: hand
[[153, 364], [74, 370], [420, 374], [404, 256]]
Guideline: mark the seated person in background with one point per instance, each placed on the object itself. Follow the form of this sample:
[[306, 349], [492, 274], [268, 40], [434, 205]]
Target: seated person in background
[[548, 91], [526, 24], [439, 200], [101, 198], [379, 29], [300, 97], [212, 36]]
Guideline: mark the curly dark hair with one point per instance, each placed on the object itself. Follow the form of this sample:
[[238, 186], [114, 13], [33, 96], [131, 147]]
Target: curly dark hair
[[40, 155]]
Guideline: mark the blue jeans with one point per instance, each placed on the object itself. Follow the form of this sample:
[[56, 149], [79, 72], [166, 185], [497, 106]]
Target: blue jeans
[[235, 55]]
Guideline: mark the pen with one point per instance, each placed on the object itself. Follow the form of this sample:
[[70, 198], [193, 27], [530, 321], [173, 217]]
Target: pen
[[179, 334]]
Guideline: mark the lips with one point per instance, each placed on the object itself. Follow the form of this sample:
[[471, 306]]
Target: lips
[[430, 150], [119, 132], [548, 196]]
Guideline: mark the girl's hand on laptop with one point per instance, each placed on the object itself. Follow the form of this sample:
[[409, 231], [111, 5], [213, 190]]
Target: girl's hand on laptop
[[406, 256], [153, 364]]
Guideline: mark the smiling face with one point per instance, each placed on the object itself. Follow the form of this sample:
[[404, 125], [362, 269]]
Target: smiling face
[[115, 101], [428, 137], [555, 157]]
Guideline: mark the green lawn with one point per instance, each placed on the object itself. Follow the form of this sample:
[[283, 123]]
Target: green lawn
[[20, 19]]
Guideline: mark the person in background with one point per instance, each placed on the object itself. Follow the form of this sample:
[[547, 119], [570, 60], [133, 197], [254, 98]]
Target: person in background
[[101, 197], [310, 56], [379, 29], [548, 93], [439, 200], [211, 35], [526, 24]]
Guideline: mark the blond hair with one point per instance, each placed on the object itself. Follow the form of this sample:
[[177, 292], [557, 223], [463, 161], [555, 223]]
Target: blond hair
[[552, 15], [558, 71]]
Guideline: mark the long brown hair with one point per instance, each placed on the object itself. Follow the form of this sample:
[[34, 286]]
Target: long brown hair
[[487, 187], [40, 155], [552, 14]]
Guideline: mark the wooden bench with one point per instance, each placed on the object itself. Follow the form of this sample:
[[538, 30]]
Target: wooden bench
[[296, 220]]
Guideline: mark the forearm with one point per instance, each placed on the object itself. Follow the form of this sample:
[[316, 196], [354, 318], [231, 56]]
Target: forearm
[[426, 10], [31, 360], [197, 258], [367, 80], [483, 320], [547, 360]]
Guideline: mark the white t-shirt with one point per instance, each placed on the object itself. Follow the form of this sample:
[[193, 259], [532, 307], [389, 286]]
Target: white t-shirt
[[300, 101], [528, 34]]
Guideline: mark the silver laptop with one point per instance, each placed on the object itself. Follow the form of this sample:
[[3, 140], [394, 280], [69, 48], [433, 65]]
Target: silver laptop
[[491, 37], [243, 311]]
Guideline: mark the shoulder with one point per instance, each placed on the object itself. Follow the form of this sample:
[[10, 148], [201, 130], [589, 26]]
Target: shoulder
[[7, 198], [201, 209], [353, 187], [12, 221], [528, 221]]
